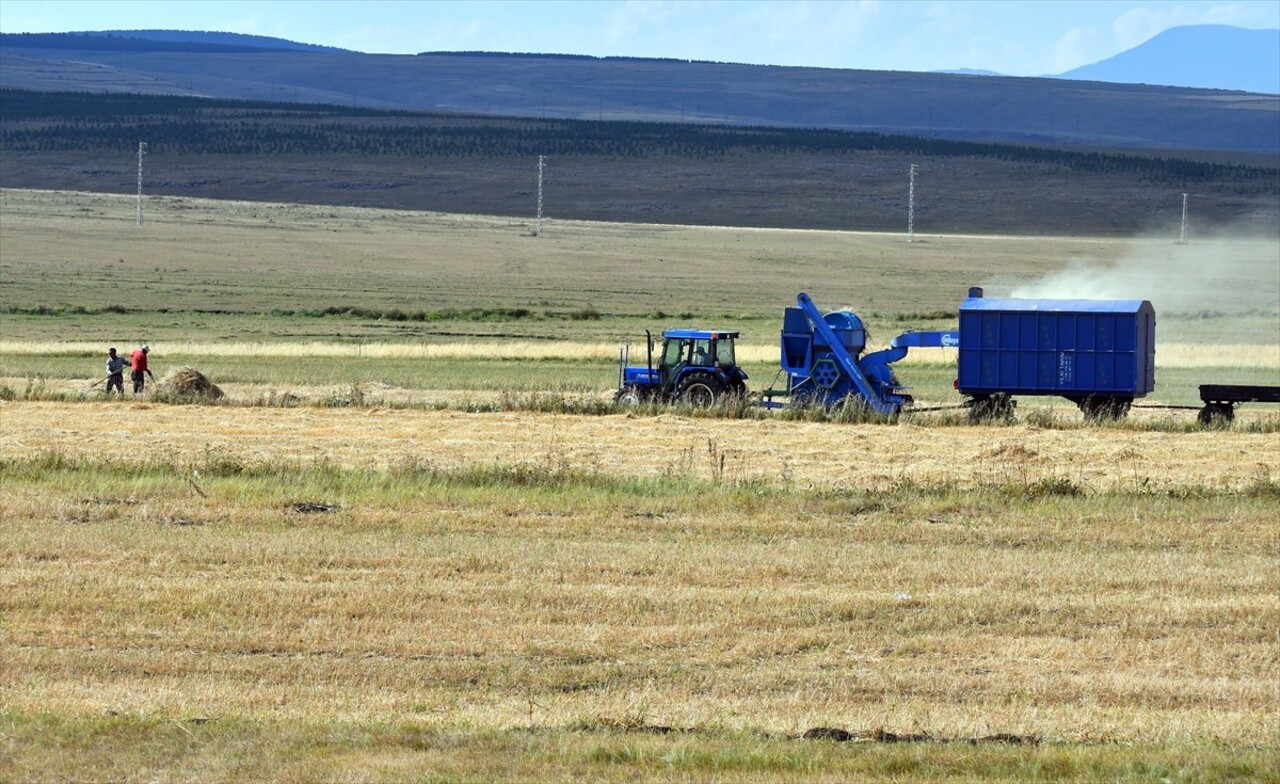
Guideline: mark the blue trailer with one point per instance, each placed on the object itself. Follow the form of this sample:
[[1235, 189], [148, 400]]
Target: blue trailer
[[1099, 354]]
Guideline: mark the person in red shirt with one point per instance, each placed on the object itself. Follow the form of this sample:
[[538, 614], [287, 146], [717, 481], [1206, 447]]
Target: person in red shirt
[[140, 370]]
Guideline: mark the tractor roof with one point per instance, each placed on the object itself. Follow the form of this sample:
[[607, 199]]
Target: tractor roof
[[699, 334]]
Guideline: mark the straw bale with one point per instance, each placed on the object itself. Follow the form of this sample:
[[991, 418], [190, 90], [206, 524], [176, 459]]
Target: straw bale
[[189, 381]]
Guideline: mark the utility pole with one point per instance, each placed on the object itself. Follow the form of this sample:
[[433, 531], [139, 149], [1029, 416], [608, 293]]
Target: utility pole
[[1182, 236], [142, 150], [911, 206], [542, 161]]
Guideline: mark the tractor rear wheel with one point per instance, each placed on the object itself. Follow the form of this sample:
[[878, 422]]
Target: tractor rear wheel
[[700, 390]]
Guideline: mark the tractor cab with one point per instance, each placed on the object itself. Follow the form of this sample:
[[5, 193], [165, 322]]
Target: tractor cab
[[695, 366]]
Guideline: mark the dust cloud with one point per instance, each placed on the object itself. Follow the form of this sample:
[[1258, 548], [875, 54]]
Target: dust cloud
[[1221, 274]]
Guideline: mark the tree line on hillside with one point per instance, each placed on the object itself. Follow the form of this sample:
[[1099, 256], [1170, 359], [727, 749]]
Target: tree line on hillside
[[124, 42], [178, 125]]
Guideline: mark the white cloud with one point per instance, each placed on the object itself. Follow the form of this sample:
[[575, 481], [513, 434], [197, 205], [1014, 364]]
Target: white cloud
[[801, 33], [1139, 25], [1250, 15], [250, 25], [1080, 46], [637, 16], [787, 31]]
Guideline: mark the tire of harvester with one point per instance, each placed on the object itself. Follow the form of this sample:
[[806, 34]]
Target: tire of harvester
[[700, 390]]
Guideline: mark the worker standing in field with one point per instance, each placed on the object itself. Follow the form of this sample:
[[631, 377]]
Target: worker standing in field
[[115, 371], [140, 370]]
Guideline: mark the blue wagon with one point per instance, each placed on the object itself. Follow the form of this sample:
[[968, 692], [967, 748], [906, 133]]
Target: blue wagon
[[1099, 354]]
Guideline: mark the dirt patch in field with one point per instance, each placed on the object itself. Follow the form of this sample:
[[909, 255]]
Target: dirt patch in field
[[881, 735], [1010, 452], [313, 507]]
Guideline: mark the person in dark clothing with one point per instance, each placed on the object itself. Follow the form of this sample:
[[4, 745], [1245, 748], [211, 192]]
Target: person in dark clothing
[[115, 371], [140, 371]]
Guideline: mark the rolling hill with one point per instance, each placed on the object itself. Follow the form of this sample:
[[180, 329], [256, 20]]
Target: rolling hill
[[1205, 56], [626, 171], [933, 105]]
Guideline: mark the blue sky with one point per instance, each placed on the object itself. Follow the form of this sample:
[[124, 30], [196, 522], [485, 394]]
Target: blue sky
[[1021, 38]]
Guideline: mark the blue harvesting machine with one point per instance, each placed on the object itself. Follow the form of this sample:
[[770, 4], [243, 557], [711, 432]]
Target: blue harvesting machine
[[1100, 354], [822, 356]]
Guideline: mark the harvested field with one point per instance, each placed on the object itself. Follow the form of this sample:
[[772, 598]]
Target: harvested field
[[1170, 355], [816, 454], [377, 595], [414, 542]]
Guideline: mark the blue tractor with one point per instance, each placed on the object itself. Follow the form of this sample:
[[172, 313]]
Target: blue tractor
[[695, 366]]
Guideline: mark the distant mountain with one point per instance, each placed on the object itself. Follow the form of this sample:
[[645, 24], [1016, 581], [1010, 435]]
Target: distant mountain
[[1206, 56], [1022, 110]]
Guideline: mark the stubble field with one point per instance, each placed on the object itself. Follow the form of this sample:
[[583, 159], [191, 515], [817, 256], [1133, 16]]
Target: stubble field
[[386, 588]]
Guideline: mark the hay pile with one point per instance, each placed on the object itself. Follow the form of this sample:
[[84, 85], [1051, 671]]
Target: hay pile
[[189, 382]]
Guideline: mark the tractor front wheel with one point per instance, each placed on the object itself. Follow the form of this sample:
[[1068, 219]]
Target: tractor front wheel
[[629, 396], [700, 390]]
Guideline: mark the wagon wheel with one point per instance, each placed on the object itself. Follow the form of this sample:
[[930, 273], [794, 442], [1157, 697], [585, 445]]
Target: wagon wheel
[[853, 408], [1099, 409], [991, 408], [1217, 414]]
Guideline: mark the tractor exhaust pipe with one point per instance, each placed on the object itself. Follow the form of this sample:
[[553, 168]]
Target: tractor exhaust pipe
[[648, 339]]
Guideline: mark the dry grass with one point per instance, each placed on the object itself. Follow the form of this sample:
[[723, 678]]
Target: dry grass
[[1184, 355], [465, 349], [462, 611], [210, 580], [202, 592], [812, 454], [66, 249], [1169, 355]]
